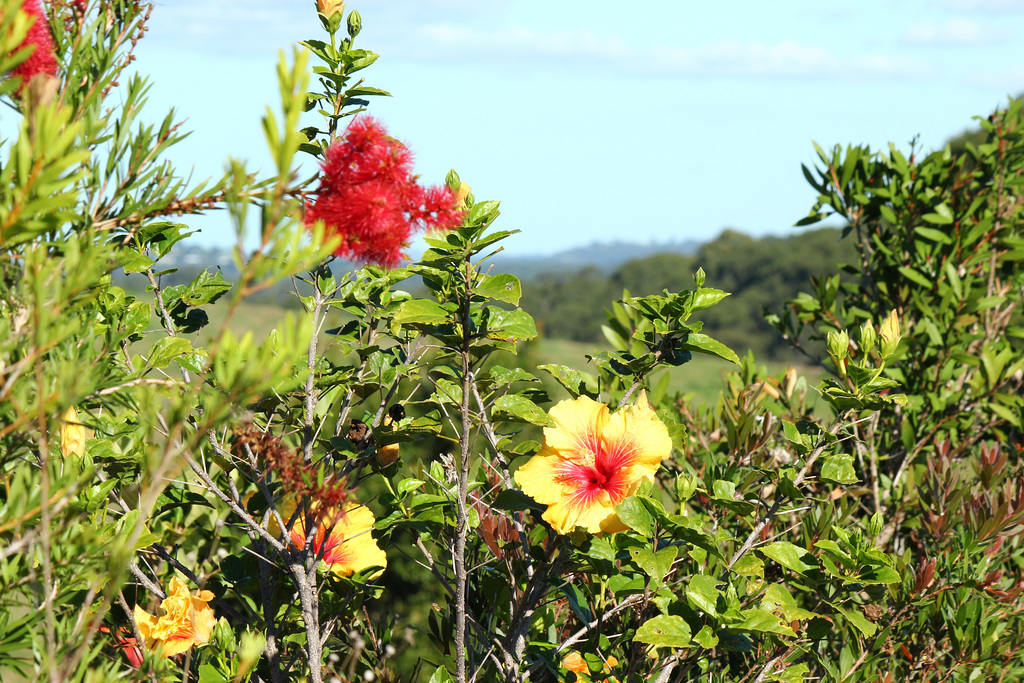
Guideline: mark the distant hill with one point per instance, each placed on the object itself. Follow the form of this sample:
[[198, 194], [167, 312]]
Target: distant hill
[[603, 256]]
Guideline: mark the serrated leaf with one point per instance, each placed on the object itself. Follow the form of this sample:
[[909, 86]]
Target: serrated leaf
[[518, 408], [838, 468], [167, 349], [703, 592], [421, 311], [763, 622], [665, 630], [501, 287], [573, 380], [790, 556]]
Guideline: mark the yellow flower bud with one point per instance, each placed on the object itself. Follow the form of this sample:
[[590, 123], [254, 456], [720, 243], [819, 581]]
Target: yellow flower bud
[[72, 434], [890, 329], [329, 7], [388, 454], [461, 194], [889, 333]]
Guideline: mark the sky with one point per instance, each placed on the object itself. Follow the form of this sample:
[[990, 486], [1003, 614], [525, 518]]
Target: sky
[[654, 120]]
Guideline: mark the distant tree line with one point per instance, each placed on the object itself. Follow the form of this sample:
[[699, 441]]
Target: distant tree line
[[760, 272]]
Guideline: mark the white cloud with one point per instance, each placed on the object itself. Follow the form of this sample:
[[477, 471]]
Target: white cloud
[[984, 6], [245, 27], [232, 26], [786, 59], [955, 32]]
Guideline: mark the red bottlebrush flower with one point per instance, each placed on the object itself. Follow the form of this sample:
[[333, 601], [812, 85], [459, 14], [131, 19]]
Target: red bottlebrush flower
[[42, 60], [369, 198]]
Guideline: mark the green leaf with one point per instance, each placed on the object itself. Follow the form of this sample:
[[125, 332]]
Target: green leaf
[[636, 516], [205, 288], [795, 673], [706, 637], [838, 468], [421, 311], [777, 598], [577, 602], [703, 592], [914, 276], [441, 675], [763, 622], [656, 565], [706, 297], [933, 234], [518, 408], [665, 630], [789, 556], [516, 325], [857, 618], [702, 343], [167, 349], [209, 674], [501, 287], [134, 262], [749, 565], [573, 380]]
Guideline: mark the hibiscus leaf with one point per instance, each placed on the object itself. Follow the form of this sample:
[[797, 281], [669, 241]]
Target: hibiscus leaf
[[763, 621], [502, 287], [839, 468], [665, 630], [421, 311], [635, 515], [790, 556], [518, 408], [702, 343], [573, 380]]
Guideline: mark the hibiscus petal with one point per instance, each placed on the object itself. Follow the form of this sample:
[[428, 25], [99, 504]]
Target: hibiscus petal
[[638, 437], [578, 426], [539, 479], [589, 512]]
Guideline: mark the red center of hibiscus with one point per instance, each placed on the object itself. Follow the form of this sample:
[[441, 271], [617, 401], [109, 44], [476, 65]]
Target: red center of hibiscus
[[599, 471]]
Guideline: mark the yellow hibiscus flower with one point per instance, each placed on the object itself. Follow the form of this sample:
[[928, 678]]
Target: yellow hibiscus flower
[[187, 620], [349, 547], [592, 460]]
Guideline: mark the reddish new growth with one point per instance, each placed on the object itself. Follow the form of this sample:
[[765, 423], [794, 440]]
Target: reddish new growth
[[369, 197], [298, 479], [42, 60]]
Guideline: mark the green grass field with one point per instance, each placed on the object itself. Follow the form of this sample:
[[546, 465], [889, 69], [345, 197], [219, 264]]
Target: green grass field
[[703, 377]]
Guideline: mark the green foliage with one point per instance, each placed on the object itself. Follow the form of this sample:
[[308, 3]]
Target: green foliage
[[874, 538], [760, 274]]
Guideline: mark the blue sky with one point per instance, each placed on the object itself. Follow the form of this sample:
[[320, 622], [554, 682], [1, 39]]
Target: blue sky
[[597, 121]]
